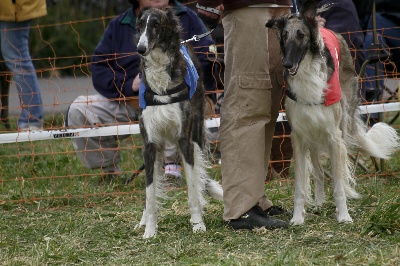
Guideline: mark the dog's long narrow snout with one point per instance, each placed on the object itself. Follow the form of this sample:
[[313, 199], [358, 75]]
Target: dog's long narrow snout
[[287, 63], [143, 44], [292, 58]]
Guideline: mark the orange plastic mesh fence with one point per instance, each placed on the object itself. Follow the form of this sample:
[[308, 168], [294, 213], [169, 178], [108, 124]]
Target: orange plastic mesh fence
[[49, 170]]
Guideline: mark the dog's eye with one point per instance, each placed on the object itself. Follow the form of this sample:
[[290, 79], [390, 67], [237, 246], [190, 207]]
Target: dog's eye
[[300, 35], [156, 24]]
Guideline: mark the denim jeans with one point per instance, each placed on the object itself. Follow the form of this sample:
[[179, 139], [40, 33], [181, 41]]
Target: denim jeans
[[15, 51], [388, 35]]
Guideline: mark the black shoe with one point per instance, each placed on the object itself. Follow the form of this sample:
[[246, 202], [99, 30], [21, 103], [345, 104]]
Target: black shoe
[[256, 218], [277, 211]]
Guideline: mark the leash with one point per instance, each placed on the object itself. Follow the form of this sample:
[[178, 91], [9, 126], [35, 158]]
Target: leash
[[295, 5], [197, 38], [211, 23]]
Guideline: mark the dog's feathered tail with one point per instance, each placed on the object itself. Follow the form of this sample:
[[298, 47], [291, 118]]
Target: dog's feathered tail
[[214, 189], [204, 183], [380, 141]]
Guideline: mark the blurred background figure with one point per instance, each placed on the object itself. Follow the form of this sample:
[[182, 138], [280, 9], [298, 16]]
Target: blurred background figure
[[15, 21], [384, 51]]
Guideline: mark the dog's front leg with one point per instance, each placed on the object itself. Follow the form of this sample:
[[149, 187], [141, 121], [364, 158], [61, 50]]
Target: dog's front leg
[[143, 220], [150, 212], [301, 180], [338, 156]]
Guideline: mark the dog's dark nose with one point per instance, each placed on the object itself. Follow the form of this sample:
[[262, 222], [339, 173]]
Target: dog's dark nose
[[287, 64], [141, 49]]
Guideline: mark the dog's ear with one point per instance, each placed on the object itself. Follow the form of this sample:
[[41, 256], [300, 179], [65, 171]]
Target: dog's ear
[[172, 31], [276, 23], [309, 10], [173, 22], [141, 11], [270, 23]]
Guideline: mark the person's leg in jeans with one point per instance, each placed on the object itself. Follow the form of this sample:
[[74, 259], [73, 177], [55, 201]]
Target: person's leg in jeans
[[388, 35], [249, 109], [15, 51]]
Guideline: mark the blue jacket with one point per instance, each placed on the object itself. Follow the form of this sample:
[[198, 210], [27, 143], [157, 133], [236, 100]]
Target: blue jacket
[[115, 62]]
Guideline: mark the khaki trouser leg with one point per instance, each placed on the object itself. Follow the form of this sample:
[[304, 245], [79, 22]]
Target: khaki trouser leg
[[250, 107], [99, 152]]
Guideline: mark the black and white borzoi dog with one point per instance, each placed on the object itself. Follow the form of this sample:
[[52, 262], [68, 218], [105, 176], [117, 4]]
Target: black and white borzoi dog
[[316, 126], [173, 112]]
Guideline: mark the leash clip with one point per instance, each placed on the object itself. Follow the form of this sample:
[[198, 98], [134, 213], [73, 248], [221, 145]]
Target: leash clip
[[197, 38]]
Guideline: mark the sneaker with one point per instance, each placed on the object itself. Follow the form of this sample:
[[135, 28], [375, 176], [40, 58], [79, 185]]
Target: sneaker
[[256, 218], [173, 175], [173, 169]]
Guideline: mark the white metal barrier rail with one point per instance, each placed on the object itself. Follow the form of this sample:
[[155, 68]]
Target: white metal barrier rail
[[134, 128]]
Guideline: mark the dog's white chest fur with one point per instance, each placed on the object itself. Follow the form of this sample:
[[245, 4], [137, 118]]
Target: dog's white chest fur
[[156, 70], [311, 80], [162, 121], [308, 114]]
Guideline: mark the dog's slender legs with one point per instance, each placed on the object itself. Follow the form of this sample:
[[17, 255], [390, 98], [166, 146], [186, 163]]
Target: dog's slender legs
[[152, 162], [193, 163], [318, 178], [301, 180], [143, 220], [338, 156]]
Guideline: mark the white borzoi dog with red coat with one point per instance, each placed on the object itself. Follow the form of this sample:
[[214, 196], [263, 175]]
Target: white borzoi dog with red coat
[[172, 101], [324, 119]]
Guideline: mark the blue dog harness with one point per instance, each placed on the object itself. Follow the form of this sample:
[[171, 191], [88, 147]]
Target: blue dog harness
[[191, 78]]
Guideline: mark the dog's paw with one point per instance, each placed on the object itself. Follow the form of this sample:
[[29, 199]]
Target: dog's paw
[[138, 226], [344, 218], [297, 221], [149, 233], [199, 227]]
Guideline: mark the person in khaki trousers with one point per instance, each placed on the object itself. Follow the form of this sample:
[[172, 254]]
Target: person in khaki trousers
[[253, 84]]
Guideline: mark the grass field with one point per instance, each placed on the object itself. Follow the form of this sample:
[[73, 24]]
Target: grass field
[[54, 212]]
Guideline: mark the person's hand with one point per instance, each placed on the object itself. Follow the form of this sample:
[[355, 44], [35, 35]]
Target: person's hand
[[135, 84], [134, 101], [321, 21], [211, 19]]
